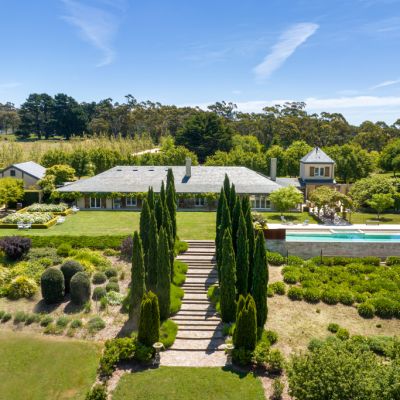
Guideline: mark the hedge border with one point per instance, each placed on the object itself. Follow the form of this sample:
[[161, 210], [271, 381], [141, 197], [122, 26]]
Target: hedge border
[[93, 242]]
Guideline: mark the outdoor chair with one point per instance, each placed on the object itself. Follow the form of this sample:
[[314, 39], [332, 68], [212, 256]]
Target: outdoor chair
[[283, 219], [28, 226], [75, 209], [20, 225], [306, 222], [60, 220]]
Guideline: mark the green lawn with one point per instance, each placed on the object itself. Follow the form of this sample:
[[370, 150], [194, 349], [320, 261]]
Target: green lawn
[[369, 218], [297, 217], [38, 368], [168, 383], [191, 225]]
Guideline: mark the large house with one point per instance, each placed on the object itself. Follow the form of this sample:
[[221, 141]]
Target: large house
[[197, 187], [30, 172]]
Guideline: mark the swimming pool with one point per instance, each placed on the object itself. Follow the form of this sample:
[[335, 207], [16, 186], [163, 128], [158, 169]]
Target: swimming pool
[[343, 237]]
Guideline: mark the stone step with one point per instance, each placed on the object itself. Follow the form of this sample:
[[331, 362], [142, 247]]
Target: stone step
[[191, 279], [197, 307], [199, 335], [199, 344], [178, 358], [195, 319], [195, 297], [199, 324], [195, 301]]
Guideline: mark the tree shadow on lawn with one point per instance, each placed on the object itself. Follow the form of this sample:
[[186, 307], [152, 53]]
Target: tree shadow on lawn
[[44, 308], [240, 372]]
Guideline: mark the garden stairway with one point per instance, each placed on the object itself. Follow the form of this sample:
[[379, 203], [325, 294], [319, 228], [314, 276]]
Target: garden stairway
[[199, 342]]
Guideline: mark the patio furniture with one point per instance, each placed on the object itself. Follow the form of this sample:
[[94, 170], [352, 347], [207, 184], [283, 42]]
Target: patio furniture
[[28, 226], [75, 209], [306, 222], [283, 220], [60, 220], [20, 225]]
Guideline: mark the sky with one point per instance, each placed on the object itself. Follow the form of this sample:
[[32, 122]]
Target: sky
[[335, 55]]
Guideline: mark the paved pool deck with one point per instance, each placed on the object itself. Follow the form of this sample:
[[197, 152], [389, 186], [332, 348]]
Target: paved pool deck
[[316, 228]]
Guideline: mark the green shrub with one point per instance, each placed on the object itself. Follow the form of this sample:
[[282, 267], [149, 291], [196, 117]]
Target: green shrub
[[36, 254], [333, 327], [295, 293], [385, 307], [99, 278], [149, 320], [277, 389], [20, 316], [15, 247], [275, 362], [180, 270], [312, 295], [114, 298], [2, 314], [112, 286], [6, 317], [295, 260], [64, 249], [393, 260], [261, 353], [371, 260], [290, 278], [342, 334], [168, 331], [275, 259], [80, 288], [113, 279], [33, 318], [180, 247], [99, 293], [45, 262], [278, 288], [346, 297], [270, 292], [176, 299], [53, 329], [242, 356], [330, 296], [366, 310], [69, 269], [97, 392], [46, 320], [52, 285], [21, 286], [95, 324], [76, 323], [62, 322], [143, 353], [271, 336], [110, 272], [111, 252], [92, 242]]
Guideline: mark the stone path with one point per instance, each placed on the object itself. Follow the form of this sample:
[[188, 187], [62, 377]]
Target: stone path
[[199, 341]]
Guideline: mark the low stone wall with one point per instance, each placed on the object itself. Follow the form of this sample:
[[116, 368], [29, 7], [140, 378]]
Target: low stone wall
[[349, 249]]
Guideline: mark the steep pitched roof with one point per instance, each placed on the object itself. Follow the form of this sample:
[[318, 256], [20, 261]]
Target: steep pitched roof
[[203, 179], [31, 168], [317, 156]]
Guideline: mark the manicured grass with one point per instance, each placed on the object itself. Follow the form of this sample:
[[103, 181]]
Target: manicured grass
[[296, 217], [371, 218], [167, 383], [38, 368]]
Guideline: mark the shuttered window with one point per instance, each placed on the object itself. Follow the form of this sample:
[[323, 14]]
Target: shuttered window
[[312, 171], [327, 171]]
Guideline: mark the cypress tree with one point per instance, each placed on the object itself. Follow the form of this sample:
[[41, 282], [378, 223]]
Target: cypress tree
[[137, 287], [219, 210], [227, 187], [228, 279], [235, 222], [239, 305], [251, 241], [163, 275], [232, 199], [260, 280], [225, 223], [145, 217], [167, 224], [242, 257], [163, 196], [159, 212], [171, 200], [245, 334], [149, 320], [151, 281], [150, 198]]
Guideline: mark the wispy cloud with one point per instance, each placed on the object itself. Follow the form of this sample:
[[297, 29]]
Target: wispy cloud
[[385, 84], [287, 44], [96, 25], [9, 85]]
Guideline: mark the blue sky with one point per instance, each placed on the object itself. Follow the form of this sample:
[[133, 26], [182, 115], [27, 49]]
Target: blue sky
[[336, 55]]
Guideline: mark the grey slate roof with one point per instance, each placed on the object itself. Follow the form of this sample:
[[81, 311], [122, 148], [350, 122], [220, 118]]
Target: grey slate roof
[[317, 156], [31, 168], [133, 179], [285, 182]]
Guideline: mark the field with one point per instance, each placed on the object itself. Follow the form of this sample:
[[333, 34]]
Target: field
[[189, 383], [371, 218], [191, 225], [35, 368]]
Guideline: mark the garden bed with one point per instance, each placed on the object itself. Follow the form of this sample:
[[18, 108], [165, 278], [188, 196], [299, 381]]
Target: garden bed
[[56, 209], [37, 220]]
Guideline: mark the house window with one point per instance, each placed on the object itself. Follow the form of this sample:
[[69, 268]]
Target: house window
[[199, 202], [260, 202], [131, 202], [319, 171], [95, 202], [117, 202], [12, 172]]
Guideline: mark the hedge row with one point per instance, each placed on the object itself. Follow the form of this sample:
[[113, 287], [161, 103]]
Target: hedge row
[[93, 242]]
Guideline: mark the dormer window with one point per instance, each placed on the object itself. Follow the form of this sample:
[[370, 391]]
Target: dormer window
[[320, 171]]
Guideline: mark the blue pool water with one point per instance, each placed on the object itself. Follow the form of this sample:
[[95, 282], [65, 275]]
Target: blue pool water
[[343, 237]]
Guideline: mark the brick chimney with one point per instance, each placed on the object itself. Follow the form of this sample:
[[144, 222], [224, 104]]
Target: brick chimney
[[188, 167], [273, 167]]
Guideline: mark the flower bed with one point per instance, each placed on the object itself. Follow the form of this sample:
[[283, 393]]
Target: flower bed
[[57, 209], [38, 220]]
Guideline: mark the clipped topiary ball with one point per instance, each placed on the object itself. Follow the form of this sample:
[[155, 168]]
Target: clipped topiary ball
[[99, 293], [80, 288], [69, 269], [99, 278], [52, 285], [110, 272], [112, 286]]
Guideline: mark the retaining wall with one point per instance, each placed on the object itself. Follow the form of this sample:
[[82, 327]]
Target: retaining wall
[[349, 249]]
